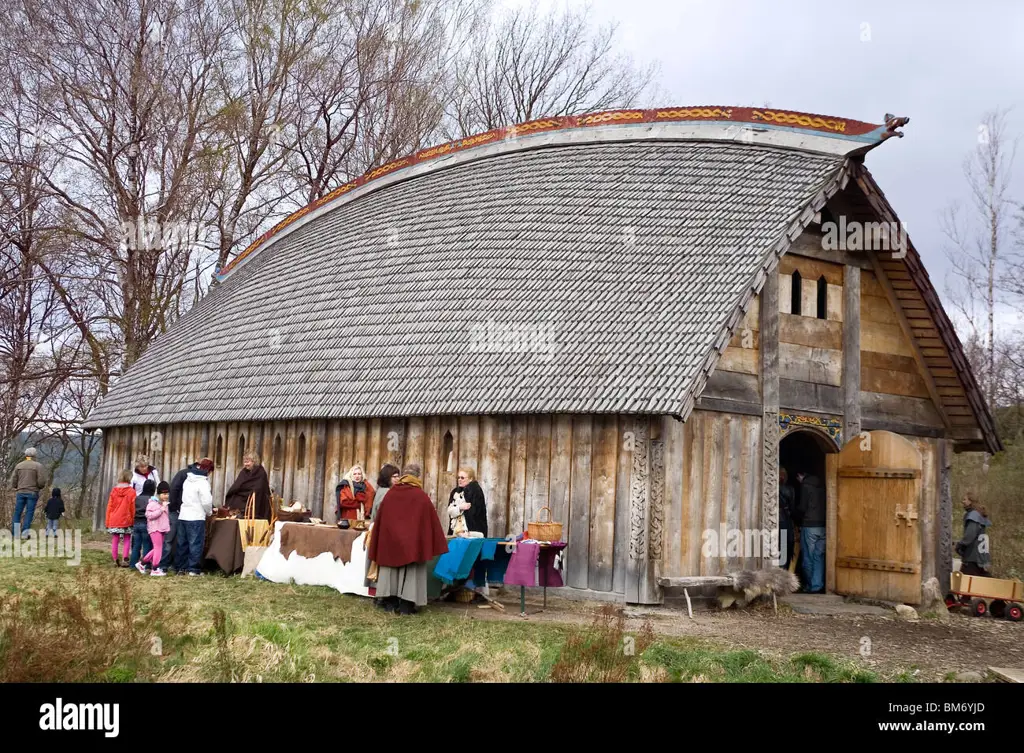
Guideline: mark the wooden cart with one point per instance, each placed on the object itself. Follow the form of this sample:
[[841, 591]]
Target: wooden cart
[[1002, 598]]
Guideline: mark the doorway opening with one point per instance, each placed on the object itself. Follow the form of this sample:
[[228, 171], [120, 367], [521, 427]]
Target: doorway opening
[[803, 530]]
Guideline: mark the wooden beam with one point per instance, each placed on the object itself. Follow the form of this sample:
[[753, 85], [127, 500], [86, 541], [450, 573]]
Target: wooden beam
[[320, 468], [721, 405], [851, 352], [905, 326], [695, 581], [770, 401]]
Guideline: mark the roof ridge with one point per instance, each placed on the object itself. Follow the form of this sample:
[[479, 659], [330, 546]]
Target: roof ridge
[[865, 135]]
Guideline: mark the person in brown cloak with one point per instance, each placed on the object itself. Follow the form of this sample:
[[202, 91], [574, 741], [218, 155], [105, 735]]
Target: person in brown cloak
[[252, 478]]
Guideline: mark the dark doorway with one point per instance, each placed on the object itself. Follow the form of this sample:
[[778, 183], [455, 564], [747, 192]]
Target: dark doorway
[[803, 452]]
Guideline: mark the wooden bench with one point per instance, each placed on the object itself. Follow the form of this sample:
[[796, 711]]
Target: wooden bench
[[695, 581]]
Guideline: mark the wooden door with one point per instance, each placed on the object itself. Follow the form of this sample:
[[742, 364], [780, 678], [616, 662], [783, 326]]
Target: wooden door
[[878, 541]]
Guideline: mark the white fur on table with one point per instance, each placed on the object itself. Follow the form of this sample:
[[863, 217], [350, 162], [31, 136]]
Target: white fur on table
[[322, 570]]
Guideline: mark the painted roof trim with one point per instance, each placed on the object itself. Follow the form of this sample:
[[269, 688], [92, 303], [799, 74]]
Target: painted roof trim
[[748, 125]]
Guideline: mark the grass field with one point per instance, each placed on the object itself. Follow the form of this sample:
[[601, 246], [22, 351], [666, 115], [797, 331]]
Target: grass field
[[99, 623]]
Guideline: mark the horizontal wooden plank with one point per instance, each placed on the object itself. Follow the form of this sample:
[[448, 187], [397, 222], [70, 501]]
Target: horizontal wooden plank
[[875, 360], [811, 269], [893, 382], [884, 338], [808, 396], [730, 385], [860, 563], [834, 303], [811, 244], [857, 472], [719, 405], [904, 428], [740, 360], [814, 333], [910, 410], [746, 338], [695, 581], [821, 365]]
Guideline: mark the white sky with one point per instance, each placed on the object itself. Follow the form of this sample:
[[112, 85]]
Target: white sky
[[942, 63]]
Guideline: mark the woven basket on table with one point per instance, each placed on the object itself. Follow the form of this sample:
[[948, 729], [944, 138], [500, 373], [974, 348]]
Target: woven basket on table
[[544, 531], [288, 516]]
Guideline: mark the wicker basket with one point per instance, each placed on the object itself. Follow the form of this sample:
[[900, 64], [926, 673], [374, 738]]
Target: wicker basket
[[288, 516], [544, 531], [464, 596]]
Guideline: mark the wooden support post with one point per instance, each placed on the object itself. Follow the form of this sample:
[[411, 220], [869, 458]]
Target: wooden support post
[[851, 352], [319, 468], [944, 516], [689, 607], [770, 403]]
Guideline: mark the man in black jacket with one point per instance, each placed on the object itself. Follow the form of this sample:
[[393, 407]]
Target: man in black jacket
[[812, 532], [173, 508]]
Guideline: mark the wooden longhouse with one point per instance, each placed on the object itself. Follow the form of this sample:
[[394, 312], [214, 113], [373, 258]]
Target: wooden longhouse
[[630, 318]]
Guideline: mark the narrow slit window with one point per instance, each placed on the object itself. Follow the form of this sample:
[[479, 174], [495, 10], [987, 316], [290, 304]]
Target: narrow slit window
[[302, 451], [277, 452], [448, 452], [241, 449], [218, 456], [797, 294], [822, 298]]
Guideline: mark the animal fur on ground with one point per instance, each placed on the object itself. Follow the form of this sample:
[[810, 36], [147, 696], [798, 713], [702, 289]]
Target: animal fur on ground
[[750, 585]]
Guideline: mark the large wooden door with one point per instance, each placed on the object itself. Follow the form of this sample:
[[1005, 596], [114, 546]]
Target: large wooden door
[[878, 541]]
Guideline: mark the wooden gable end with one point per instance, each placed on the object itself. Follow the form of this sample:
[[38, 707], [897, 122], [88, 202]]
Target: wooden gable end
[[913, 369]]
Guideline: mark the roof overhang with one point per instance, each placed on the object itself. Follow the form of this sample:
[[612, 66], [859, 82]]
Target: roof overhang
[[742, 125]]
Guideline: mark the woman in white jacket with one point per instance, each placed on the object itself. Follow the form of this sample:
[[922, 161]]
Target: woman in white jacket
[[196, 507]]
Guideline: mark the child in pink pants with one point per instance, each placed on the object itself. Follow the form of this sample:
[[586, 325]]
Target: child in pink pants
[[158, 523]]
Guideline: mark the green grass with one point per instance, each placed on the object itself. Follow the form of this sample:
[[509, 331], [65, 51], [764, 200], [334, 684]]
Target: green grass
[[100, 624]]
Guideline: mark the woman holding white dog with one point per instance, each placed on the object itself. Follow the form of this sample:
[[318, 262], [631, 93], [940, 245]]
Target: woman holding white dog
[[466, 501]]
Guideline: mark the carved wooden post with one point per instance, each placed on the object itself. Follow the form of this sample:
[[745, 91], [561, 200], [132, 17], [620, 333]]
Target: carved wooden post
[[851, 352], [770, 417], [641, 585], [649, 585]]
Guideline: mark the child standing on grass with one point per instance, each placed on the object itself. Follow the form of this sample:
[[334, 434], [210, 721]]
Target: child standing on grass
[[158, 521], [54, 511], [120, 512]]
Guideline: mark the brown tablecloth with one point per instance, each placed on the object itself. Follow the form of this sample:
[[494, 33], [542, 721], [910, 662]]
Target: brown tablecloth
[[311, 540], [224, 544]]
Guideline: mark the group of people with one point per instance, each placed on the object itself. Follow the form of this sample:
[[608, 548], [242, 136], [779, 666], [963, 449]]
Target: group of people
[[162, 523], [809, 513], [405, 532]]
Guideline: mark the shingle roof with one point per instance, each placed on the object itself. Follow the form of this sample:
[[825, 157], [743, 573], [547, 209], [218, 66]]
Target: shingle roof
[[615, 268]]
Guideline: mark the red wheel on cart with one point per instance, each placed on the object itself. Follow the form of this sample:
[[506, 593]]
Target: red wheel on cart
[[952, 601], [1015, 612], [979, 608]]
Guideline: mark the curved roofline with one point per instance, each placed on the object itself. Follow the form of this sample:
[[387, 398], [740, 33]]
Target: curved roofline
[[747, 125]]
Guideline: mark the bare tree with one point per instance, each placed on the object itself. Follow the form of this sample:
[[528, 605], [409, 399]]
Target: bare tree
[[979, 237], [526, 65]]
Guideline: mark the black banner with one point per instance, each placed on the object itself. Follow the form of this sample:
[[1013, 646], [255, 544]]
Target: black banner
[[110, 714]]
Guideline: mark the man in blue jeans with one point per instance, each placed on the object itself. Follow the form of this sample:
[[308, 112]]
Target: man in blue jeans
[[812, 532], [28, 480], [196, 507], [173, 510]]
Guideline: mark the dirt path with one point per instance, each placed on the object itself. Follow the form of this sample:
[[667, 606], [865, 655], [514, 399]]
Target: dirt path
[[935, 649]]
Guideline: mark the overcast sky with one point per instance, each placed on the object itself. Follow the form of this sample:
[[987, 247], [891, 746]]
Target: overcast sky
[[941, 63]]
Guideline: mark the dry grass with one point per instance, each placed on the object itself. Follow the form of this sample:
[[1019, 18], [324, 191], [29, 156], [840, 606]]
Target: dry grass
[[604, 652], [95, 622], [89, 627]]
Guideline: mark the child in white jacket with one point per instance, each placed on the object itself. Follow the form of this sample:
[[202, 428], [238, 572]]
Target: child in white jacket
[[196, 507]]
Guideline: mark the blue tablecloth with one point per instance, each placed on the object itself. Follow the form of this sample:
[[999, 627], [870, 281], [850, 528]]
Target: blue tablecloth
[[485, 559]]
